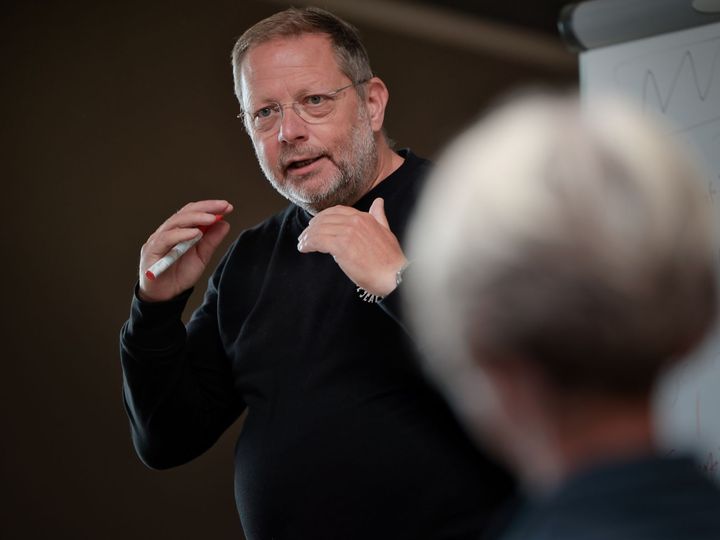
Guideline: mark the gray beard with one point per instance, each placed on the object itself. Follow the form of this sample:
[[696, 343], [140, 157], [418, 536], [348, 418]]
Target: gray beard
[[356, 163]]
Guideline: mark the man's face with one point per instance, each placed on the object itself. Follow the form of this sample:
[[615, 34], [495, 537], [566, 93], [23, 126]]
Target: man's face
[[313, 165]]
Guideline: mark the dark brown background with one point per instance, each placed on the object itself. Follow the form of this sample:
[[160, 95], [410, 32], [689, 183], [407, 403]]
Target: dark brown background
[[114, 115]]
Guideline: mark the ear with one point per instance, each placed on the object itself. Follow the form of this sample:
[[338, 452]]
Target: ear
[[376, 98]]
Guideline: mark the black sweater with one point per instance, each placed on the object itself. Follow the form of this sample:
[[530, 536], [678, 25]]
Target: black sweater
[[343, 438]]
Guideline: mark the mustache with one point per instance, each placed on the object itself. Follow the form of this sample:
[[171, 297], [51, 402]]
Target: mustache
[[296, 153]]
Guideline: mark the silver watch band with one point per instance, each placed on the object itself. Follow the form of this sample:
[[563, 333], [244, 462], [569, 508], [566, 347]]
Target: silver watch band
[[399, 273]]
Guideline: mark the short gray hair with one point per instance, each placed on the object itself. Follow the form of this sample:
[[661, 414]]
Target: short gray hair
[[581, 240], [352, 58]]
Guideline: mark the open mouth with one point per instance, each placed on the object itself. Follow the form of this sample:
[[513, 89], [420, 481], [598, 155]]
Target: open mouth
[[302, 163]]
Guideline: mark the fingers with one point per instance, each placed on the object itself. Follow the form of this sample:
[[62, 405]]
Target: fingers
[[327, 233], [188, 222], [361, 243], [331, 230], [160, 243], [211, 206], [201, 213], [337, 215], [377, 210], [201, 217], [211, 240], [326, 239]]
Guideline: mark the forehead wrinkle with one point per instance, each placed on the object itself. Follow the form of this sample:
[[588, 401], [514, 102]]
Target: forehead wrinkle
[[286, 89], [280, 70]]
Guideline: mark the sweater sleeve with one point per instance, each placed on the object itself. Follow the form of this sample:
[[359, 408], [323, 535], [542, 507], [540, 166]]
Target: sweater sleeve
[[177, 381]]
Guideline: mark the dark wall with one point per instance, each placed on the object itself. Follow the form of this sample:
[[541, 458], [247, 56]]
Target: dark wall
[[114, 115]]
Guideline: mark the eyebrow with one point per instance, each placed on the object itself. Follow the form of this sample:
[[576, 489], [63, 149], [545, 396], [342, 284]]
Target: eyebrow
[[304, 91]]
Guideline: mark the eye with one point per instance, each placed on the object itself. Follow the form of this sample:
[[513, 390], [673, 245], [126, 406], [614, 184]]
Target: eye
[[316, 99], [265, 112]]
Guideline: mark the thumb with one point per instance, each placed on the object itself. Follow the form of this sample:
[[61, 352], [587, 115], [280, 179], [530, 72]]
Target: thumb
[[377, 210]]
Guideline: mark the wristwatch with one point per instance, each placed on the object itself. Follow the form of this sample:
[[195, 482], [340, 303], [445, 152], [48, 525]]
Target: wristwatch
[[399, 273], [373, 298]]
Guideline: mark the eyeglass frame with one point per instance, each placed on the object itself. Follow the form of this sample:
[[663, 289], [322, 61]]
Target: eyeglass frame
[[281, 106]]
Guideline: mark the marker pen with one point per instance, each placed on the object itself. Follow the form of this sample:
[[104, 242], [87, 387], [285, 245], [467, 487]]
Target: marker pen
[[177, 251]]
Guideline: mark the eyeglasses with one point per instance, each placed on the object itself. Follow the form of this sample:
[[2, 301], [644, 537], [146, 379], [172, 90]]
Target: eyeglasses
[[312, 108]]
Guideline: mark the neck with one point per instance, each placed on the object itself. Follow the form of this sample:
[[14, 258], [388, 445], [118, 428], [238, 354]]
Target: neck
[[588, 432], [388, 162]]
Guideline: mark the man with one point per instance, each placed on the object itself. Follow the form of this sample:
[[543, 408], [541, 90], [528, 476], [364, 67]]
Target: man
[[562, 259], [343, 437]]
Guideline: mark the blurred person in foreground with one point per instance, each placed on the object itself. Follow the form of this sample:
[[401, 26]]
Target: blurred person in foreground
[[563, 258], [343, 437]]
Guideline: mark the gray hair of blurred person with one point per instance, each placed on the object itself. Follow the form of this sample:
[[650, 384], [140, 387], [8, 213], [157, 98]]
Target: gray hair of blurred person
[[581, 240], [352, 58]]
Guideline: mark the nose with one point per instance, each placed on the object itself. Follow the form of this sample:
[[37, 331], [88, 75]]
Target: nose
[[292, 127]]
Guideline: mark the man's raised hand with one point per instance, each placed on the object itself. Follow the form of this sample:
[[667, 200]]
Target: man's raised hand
[[361, 243], [180, 227]]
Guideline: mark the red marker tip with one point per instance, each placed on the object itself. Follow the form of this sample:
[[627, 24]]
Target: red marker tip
[[149, 275], [204, 228]]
